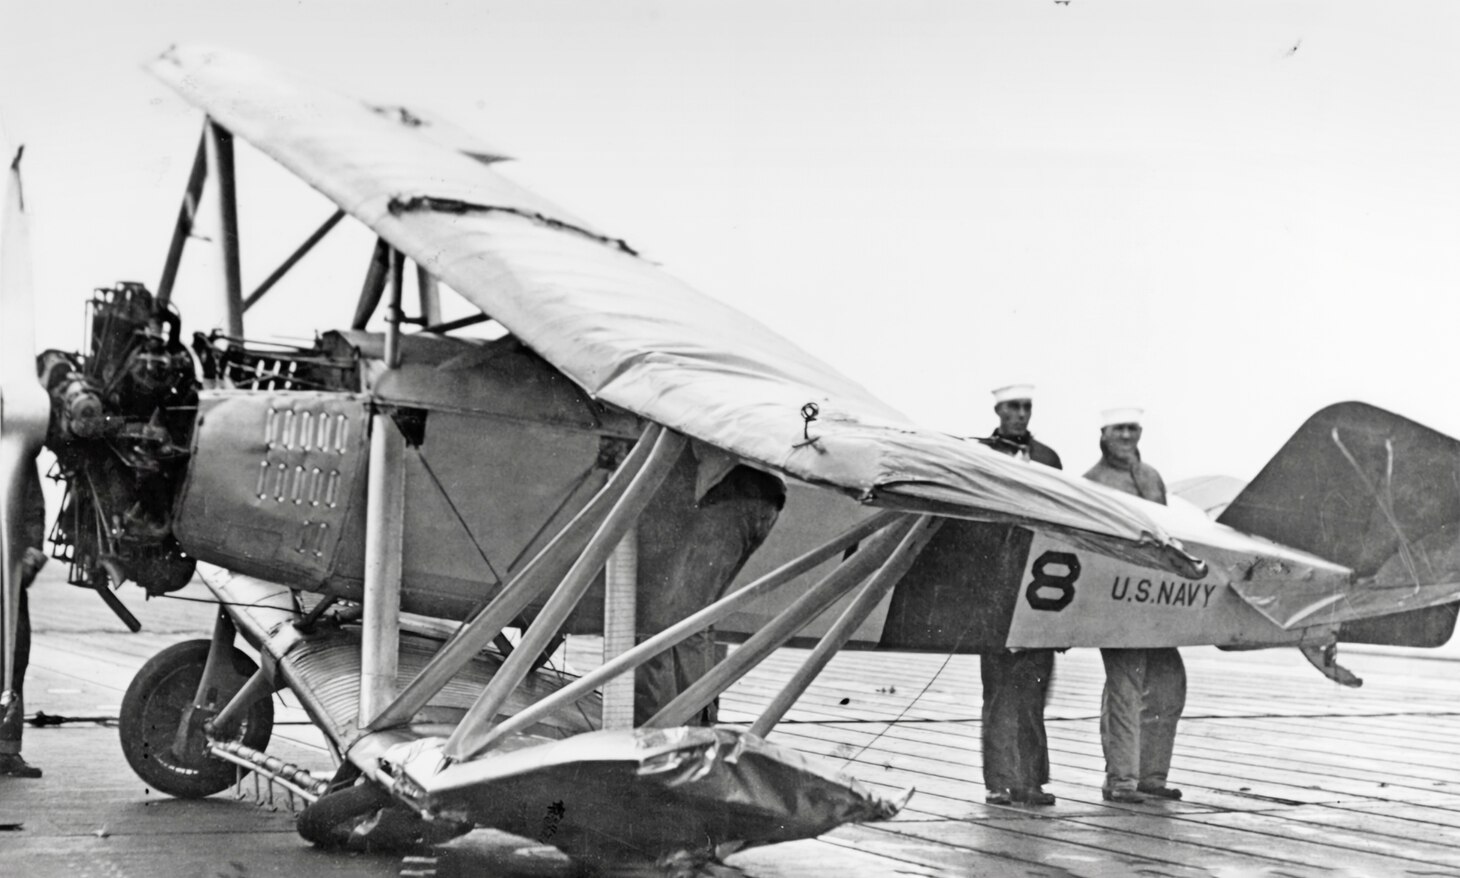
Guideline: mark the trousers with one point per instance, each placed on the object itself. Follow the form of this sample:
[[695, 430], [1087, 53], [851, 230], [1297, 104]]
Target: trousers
[[12, 723], [690, 554], [1145, 692], [1015, 749]]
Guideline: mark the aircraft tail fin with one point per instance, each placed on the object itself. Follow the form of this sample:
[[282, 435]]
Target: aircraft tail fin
[[1375, 492]]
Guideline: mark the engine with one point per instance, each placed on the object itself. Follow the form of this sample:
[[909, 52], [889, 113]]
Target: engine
[[121, 424]]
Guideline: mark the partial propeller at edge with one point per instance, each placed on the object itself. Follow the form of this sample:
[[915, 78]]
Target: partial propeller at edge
[[24, 412]]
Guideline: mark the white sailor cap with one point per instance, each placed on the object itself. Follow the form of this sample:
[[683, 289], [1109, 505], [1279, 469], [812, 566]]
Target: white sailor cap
[[1110, 417], [1013, 391]]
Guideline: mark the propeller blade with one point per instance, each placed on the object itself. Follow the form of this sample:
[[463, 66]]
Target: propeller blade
[[24, 412]]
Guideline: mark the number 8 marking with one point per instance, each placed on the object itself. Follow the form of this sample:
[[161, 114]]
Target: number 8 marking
[[1064, 583]]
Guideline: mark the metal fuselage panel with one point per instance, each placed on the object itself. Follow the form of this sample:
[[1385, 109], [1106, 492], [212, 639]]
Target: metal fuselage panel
[[501, 452], [263, 498]]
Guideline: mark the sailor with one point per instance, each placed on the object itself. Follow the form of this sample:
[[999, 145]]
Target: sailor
[[705, 521], [12, 722], [1014, 404], [1016, 682], [1145, 689]]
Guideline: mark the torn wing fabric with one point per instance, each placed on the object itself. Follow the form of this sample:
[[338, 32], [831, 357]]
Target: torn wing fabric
[[624, 330], [644, 792]]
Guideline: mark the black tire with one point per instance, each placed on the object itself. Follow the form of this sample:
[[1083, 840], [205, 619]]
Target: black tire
[[365, 817], [153, 708], [330, 822]]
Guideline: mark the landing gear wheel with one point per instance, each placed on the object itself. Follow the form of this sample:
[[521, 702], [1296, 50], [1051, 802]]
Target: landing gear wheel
[[330, 822], [153, 709]]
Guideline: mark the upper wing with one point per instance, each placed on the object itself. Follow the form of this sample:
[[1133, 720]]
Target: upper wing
[[623, 329]]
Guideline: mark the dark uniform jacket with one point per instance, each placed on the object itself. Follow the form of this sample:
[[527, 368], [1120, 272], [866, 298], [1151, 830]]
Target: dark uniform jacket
[[1016, 446], [1016, 683]]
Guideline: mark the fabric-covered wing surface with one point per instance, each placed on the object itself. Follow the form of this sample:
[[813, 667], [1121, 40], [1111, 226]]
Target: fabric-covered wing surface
[[620, 327]]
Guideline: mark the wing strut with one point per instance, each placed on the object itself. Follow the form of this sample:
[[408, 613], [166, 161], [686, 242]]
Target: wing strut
[[186, 213], [374, 285], [214, 158], [620, 626], [384, 534], [870, 595], [385, 512], [676, 633], [430, 293], [545, 570], [298, 254], [466, 740], [458, 323], [220, 161], [393, 310], [386, 271], [871, 557]]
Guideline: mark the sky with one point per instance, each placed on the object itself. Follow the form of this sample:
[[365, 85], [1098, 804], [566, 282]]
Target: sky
[[1231, 214]]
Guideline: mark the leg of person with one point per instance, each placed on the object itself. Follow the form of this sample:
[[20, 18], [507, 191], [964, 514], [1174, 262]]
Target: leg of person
[[719, 539], [1000, 732], [1120, 722], [658, 680], [1165, 699], [1045, 682], [1034, 667], [13, 723], [663, 535]]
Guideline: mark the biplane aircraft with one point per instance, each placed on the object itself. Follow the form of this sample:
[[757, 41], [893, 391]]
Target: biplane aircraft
[[372, 511]]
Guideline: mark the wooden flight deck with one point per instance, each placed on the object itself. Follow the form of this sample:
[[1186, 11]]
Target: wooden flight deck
[[1285, 773]]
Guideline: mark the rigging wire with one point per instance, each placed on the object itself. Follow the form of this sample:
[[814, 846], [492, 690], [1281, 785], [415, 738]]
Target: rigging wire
[[255, 603], [459, 517], [913, 703]]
